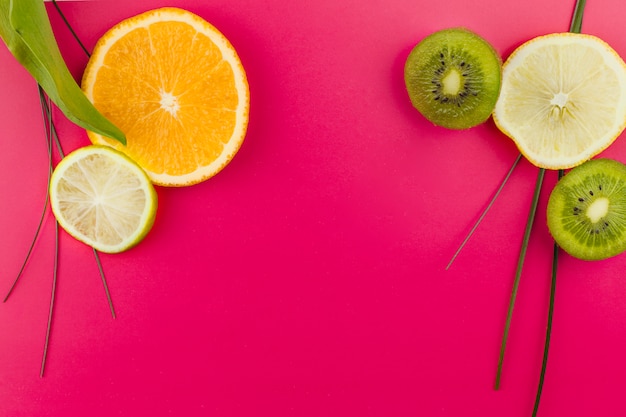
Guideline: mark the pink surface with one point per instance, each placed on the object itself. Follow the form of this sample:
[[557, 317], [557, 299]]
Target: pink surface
[[308, 278]]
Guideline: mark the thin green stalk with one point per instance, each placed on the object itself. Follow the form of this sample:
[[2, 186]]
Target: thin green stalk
[[104, 283], [518, 272], [95, 252], [484, 213], [52, 135], [52, 297], [67, 23], [47, 121], [29, 253], [55, 136], [577, 19], [546, 347], [49, 134], [575, 27]]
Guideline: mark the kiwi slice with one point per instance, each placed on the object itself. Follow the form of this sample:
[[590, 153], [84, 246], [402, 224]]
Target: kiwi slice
[[453, 78], [587, 210]]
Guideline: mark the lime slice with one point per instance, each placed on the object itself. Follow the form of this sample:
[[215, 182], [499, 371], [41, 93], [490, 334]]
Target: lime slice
[[103, 198]]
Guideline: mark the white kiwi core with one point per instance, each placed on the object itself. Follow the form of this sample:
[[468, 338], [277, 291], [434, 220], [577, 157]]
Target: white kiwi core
[[598, 209], [451, 83]]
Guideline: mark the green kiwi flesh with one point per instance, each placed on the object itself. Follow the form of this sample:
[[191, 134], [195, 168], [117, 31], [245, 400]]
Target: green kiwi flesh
[[587, 210], [453, 78]]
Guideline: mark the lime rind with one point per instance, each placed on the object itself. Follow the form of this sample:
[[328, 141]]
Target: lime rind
[[103, 198]]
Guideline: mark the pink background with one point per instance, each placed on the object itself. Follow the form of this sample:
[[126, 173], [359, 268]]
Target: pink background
[[308, 278]]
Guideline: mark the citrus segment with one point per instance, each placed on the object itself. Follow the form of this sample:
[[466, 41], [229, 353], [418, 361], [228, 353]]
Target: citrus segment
[[103, 198], [176, 87], [563, 99]]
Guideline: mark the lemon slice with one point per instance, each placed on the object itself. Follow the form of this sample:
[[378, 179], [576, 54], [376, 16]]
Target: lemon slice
[[103, 198], [563, 99]]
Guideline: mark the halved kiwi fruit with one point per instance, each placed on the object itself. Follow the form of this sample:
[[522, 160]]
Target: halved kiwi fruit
[[587, 210], [453, 78]]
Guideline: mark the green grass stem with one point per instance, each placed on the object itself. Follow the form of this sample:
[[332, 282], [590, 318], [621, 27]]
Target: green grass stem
[[518, 272], [95, 252], [575, 27], [485, 211], [47, 120], [52, 299], [546, 347], [69, 26], [577, 19]]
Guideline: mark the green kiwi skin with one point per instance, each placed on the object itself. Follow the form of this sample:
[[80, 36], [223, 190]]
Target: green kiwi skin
[[571, 228], [454, 48]]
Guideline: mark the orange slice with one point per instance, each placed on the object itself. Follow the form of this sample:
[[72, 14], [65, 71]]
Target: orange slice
[[176, 87]]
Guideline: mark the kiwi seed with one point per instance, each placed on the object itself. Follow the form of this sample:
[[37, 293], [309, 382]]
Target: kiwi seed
[[453, 78], [587, 210]]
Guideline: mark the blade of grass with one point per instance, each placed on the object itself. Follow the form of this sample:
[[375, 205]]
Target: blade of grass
[[55, 136], [546, 347], [52, 135], [518, 272], [47, 115], [45, 106], [104, 283], [577, 18], [52, 297], [575, 27], [47, 121], [485, 211], [95, 252], [67, 23]]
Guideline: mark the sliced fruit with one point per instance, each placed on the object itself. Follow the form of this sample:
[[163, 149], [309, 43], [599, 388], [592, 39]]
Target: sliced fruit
[[453, 78], [587, 210], [103, 198], [563, 99], [176, 87]]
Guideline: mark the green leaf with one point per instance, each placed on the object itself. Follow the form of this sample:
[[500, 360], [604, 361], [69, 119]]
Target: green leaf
[[26, 30]]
